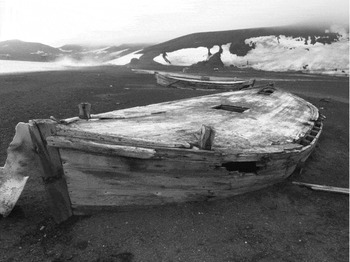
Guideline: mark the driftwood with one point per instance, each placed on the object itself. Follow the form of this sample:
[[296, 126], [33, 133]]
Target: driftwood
[[323, 188]]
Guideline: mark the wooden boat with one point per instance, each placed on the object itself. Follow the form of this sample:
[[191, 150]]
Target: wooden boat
[[187, 81], [195, 149]]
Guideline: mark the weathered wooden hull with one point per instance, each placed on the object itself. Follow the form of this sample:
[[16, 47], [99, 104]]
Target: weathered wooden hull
[[151, 155], [95, 179], [205, 83]]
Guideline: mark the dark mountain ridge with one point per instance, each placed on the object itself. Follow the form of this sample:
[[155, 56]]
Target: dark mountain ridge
[[27, 51], [31, 51]]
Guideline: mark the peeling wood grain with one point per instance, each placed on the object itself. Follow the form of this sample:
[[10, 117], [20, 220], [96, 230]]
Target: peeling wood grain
[[90, 146], [106, 180], [53, 175], [277, 119], [116, 139]]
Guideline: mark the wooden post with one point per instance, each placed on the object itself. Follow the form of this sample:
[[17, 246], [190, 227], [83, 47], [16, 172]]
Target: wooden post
[[206, 138], [54, 181], [84, 110]]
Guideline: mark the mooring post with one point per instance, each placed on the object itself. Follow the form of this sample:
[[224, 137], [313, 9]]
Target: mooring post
[[206, 138], [84, 110]]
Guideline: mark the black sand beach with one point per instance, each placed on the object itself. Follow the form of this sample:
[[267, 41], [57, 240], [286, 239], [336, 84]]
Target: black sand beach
[[284, 222]]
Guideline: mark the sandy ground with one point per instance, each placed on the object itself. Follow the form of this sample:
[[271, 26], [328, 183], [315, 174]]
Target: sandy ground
[[280, 223]]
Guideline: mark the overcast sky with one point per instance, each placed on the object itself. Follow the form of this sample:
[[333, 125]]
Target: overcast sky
[[57, 22]]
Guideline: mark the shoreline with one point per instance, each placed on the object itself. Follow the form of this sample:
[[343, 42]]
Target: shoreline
[[60, 65]]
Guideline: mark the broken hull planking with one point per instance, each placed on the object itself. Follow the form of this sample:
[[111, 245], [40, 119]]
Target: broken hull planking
[[95, 179]]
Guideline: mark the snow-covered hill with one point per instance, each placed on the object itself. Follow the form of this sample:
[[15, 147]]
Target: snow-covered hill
[[322, 49], [312, 51]]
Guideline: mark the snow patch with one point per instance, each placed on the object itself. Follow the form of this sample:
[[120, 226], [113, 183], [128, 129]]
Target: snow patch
[[186, 56], [97, 51], [283, 53], [123, 60], [118, 52], [39, 52], [275, 53], [340, 30], [12, 66], [65, 51]]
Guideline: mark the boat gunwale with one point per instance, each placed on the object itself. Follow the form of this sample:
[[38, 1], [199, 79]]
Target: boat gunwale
[[161, 151], [196, 76], [199, 81], [66, 130]]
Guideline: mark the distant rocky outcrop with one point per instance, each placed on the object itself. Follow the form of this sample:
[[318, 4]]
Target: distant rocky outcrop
[[213, 61]]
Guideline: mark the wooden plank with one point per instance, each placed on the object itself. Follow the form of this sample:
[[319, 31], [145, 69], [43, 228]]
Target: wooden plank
[[118, 164], [184, 155], [121, 140], [102, 144], [116, 181], [53, 176], [183, 150], [97, 199], [323, 187], [105, 180], [152, 201], [90, 146]]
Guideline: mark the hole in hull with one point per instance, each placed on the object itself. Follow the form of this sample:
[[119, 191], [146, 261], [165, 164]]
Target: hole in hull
[[246, 167]]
